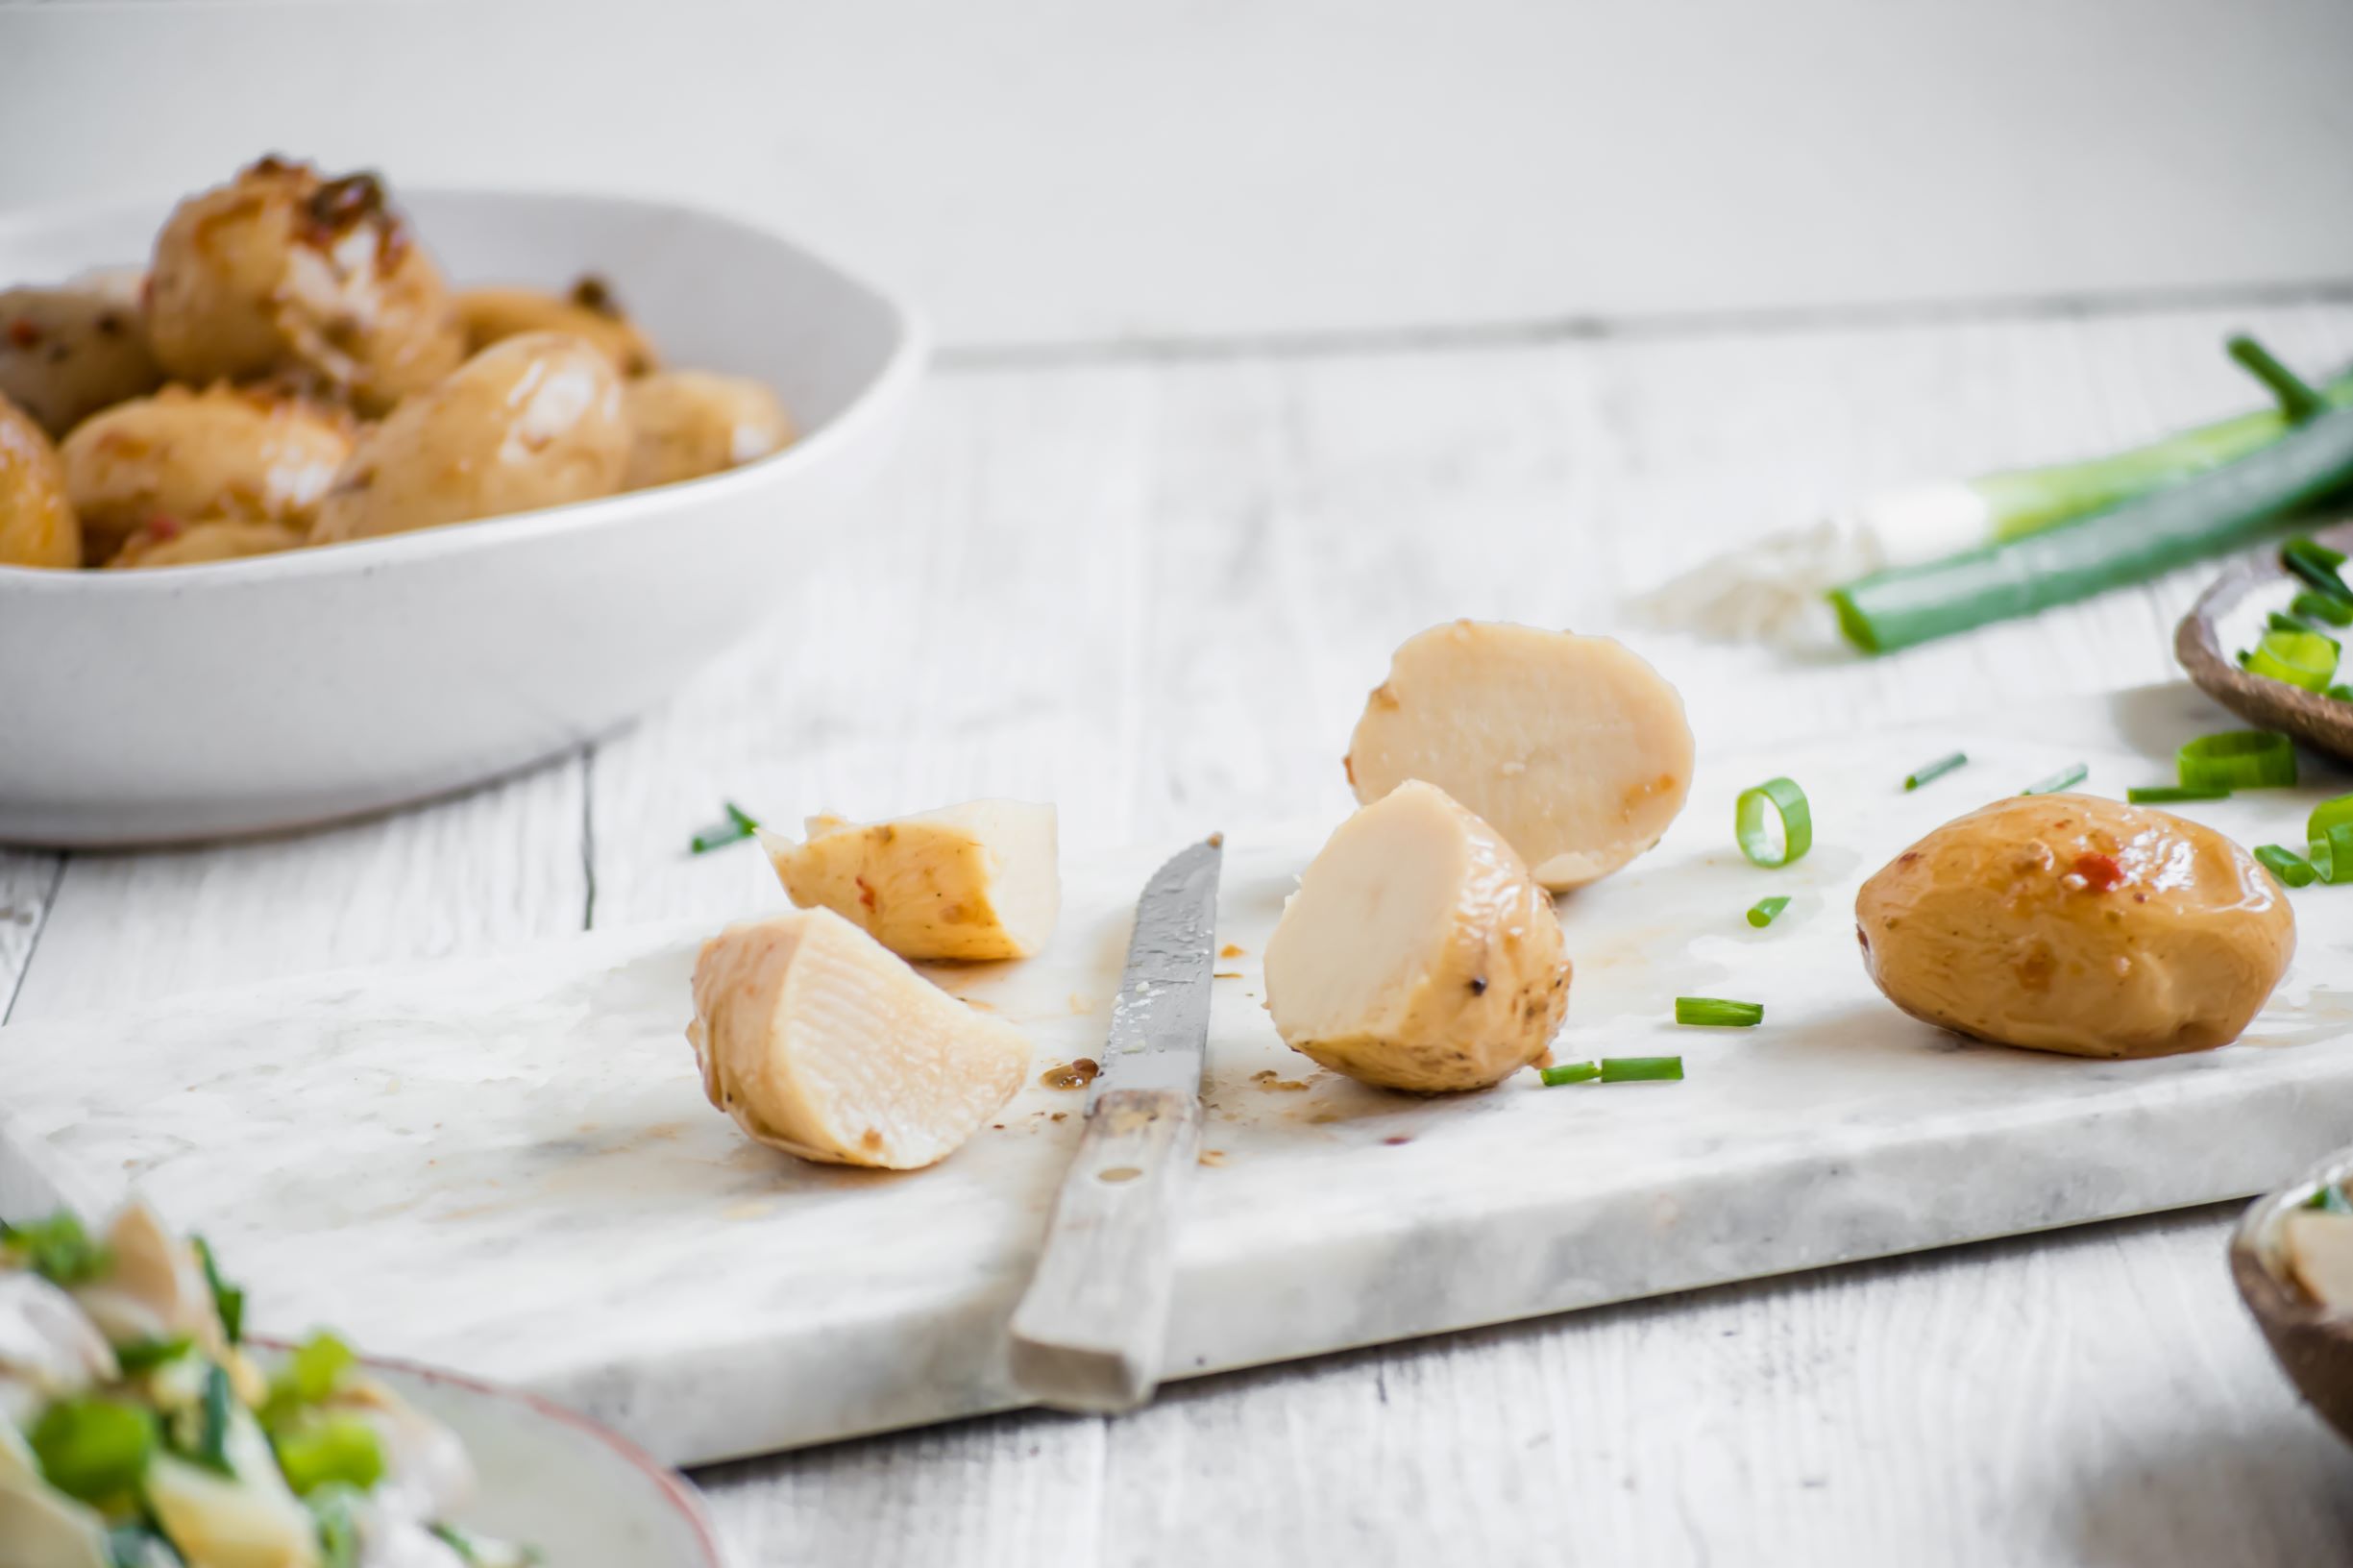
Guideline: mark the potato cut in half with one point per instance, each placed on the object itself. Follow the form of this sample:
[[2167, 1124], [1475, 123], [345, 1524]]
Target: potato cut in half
[[1572, 747], [1418, 953], [2320, 1248], [975, 881], [819, 1042]]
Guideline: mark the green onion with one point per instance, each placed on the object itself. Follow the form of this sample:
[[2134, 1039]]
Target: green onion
[[328, 1449], [1715, 1013], [2330, 1198], [135, 1546], [2237, 759], [2328, 814], [1641, 1069], [94, 1449], [145, 1355], [2277, 620], [1761, 913], [2338, 694], [738, 826], [58, 1249], [1575, 1072], [2287, 865], [310, 1376], [209, 1446], [2065, 778], [2298, 401], [1787, 804], [227, 1300], [2316, 564], [2142, 538], [332, 1506], [2160, 795], [2328, 607], [2330, 854], [2300, 658], [1934, 771]]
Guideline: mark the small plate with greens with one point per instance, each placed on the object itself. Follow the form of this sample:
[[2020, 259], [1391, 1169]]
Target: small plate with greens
[[2266, 640], [2292, 1257], [139, 1428]]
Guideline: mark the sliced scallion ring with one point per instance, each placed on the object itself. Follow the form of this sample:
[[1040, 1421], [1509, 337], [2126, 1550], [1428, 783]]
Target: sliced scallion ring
[[2316, 564], [2328, 814], [1762, 913], [1641, 1069], [2162, 794], [1780, 799], [2300, 658], [1572, 1072], [2287, 865], [2065, 778], [2330, 853], [2280, 621], [2314, 605], [1711, 1011], [2237, 759]]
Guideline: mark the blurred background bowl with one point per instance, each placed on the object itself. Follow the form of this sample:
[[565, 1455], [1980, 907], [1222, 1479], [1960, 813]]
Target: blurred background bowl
[[2313, 1343], [293, 689]]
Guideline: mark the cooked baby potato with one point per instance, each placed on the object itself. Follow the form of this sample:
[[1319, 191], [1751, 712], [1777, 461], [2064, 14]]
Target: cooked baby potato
[[1418, 953], [1574, 749], [168, 542], [66, 353], [534, 421], [2320, 1250], [492, 316], [821, 1042], [230, 454], [690, 423], [975, 881], [284, 270], [2065, 922], [37, 515]]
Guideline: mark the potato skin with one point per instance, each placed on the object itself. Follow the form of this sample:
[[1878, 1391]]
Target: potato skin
[[36, 519], [66, 353], [690, 423], [2066, 922], [492, 316], [534, 421], [284, 271], [225, 452]]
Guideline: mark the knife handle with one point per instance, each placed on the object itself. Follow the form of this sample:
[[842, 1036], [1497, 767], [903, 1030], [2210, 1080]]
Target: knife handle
[[1088, 1335]]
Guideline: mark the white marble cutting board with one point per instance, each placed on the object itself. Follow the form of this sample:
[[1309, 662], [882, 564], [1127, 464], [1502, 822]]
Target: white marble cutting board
[[506, 1166]]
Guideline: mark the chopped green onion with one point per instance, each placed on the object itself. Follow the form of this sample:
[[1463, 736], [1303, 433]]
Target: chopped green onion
[[2065, 778], [310, 1376], [2160, 795], [1934, 771], [740, 825], [2237, 759], [135, 1546], [1641, 1069], [1715, 1013], [2331, 1199], [94, 1449], [227, 1300], [2300, 658], [2287, 865], [2331, 853], [1573, 1072], [2298, 400], [327, 1449], [2328, 607], [1786, 802], [2279, 621], [145, 1355], [209, 1445], [333, 1506], [2338, 694], [2316, 564], [1761, 913], [58, 1249]]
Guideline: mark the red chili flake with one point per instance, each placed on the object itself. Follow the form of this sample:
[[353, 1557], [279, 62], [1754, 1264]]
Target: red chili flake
[[163, 525], [23, 333], [2099, 873], [866, 894]]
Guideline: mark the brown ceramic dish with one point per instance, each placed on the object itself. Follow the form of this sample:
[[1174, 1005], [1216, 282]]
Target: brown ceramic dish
[[2321, 723], [2313, 1343]]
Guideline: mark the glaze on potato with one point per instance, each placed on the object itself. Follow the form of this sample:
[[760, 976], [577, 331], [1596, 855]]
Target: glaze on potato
[[690, 423], [492, 316], [36, 519], [284, 271], [66, 353], [534, 421], [167, 543], [2066, 922], [229, 454]]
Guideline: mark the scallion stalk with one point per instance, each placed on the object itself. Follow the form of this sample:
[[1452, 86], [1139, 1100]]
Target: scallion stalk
[[2065, 778], [1641, 1069], [2166, 794], [2313, 605], [2287, 865], [1929, 773], [1572, 1072], [1765, 911], [1715, 1013]]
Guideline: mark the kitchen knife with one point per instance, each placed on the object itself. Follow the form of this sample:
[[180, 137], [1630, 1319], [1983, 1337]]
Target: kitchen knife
[[1088, 1334]]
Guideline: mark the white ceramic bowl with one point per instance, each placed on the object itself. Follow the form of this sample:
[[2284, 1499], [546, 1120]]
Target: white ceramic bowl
[[248, 696]]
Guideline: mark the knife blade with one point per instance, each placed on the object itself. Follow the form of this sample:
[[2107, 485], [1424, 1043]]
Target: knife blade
[[1090, 1332]]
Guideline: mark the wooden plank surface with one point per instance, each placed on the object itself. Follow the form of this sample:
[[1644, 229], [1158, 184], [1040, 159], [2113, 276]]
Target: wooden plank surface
[[1155, 589]]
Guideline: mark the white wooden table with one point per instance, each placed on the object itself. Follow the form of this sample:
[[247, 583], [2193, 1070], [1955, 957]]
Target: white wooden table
[[1153, 586]]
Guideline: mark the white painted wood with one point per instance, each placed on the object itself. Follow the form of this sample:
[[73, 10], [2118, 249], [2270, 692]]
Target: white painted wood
[[1055, 171], [26, 882]]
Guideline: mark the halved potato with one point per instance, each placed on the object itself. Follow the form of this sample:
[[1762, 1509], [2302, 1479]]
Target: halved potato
[[1418, 953], [494, 315], [818, 1041], [974, 881]]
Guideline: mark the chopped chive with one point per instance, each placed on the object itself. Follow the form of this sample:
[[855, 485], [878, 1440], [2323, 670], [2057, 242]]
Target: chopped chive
[[145, 1355], [1573, 1072], [2330, 1199], [2237, 759], [2319, 606], [1641, 1069], [2159, 795], [227, 1300], [740, 825], [2065, 778], [1762, 912], [1786, 804], [1931, 771], [94, 1449], [1715, 1013], [2287, 865], [2316, 564]]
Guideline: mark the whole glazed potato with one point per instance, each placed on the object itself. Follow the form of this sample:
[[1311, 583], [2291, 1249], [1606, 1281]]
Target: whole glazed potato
[[491, 315], [36, 520], [66, 353], [283, 270], [227, 452], [2065, 922], [534, 421], [690, 423]]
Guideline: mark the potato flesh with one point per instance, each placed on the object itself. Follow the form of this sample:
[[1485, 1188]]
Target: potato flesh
[[2066, 922], [66, 353], [2320, 1248], [976, 881], [157, 546], [690, 423], [818, 1041], [1418, 953], [492, 316], [37, 516], [1572, 748]]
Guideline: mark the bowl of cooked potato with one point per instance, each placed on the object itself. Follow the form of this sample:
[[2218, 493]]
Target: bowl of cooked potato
[[315, 499]]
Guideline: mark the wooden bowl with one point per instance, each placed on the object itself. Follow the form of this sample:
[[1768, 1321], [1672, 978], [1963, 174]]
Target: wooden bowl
[[2313, 1343], [2321, 723]]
